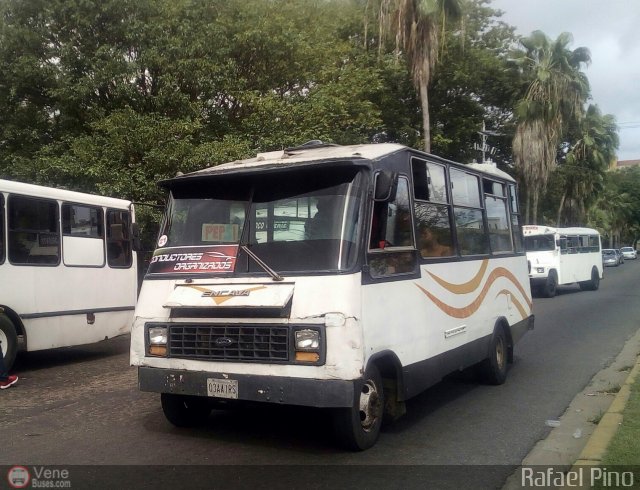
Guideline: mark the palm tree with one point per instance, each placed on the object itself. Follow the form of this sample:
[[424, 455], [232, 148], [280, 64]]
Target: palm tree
[[418, 26], [588, 160], [556, 94]]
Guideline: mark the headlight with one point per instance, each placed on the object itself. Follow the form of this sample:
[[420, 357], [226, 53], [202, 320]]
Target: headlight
[[157, 340], [307, 345], [158, 335], [307, 340]]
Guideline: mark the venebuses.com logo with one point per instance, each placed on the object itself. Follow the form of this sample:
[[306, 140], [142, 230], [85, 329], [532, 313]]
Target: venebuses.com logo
[[18, 477], [38, 477]]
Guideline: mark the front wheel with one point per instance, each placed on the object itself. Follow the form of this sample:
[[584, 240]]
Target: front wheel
[[493, 370], [8, 341], [550, 287], [185, 411], [358, 427]]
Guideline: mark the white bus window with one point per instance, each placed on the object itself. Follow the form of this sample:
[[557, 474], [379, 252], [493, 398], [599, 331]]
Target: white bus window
[[82, 235], [34, 237], [119, 252], [82, 221]]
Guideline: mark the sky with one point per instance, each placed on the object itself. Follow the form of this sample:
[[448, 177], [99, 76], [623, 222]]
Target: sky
[[611, 31]]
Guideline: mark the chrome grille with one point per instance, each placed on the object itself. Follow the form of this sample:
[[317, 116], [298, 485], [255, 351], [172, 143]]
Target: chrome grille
[[229, 343]]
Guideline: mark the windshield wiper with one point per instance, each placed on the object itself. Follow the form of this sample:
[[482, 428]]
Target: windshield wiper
[[274, 275]]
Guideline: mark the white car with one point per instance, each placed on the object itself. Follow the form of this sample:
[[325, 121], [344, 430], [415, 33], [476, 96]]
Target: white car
[[629, 253]]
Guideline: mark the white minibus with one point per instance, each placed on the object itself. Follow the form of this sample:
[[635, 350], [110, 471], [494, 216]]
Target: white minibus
[[344, 277], [67, 267], [559, 256]]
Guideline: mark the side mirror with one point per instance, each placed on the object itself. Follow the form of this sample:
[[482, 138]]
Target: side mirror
[[385, 186], [135, 237]]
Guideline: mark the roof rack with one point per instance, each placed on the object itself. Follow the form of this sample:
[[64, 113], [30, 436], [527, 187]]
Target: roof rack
[[309, 145]]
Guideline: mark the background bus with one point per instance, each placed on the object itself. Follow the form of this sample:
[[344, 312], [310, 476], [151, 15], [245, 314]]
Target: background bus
[[344, 277], [67, 265], [562, 256]]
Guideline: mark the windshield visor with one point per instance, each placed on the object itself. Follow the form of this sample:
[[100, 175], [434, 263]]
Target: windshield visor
[[296, 221]]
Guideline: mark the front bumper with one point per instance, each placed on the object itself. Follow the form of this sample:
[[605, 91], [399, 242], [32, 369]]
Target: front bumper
[[319, 393]]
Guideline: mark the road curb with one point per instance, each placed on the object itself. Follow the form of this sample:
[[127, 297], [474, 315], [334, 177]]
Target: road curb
[[603, 434]]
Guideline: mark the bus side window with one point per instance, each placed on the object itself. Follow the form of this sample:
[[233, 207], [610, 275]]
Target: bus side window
[[391, 228], [34, 235], [1, 228], [119, 252]]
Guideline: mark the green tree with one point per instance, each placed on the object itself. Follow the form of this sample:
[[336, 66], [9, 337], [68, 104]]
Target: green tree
[[586, 163], [556, 93], [417, 27]]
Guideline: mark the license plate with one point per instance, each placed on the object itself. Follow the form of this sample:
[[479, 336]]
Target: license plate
[[222, 388]]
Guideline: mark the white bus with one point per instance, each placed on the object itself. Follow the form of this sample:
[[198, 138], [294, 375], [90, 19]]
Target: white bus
[[345, 277], [562, 256], [67, 267]]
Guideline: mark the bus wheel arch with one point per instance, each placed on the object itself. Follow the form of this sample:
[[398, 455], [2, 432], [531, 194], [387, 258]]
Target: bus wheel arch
[[358, 427], [493, 370], [9, 338], [390, 369]]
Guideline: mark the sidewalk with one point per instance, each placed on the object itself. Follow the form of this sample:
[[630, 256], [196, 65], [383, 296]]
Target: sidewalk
[[582, 435]]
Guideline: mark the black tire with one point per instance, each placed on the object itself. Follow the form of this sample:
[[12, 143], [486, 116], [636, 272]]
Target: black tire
[[493, 370], [594, 283], [358, 427], [185, 411], [9, 339], [550, 287]]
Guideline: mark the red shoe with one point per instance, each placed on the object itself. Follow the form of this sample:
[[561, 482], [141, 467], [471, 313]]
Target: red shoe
[[10, 381]]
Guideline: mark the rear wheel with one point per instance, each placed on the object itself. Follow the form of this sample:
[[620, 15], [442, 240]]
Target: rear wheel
[[8, 340], [493, 370], [185, 411], [594, 283], [358, 427]]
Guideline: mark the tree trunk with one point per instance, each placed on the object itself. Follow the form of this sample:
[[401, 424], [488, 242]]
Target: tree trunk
[[559, 216], [534, 206], [424, 104]]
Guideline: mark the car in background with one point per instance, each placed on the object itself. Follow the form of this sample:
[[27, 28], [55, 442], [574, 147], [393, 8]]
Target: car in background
[[610, 258], [620, 256], [629, 253]]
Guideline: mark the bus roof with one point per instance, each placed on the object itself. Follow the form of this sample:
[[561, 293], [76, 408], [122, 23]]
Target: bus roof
[[32, 190], [317, 153], [548, 230]]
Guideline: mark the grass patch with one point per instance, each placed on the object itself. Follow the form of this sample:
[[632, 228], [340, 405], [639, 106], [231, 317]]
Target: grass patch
[[625, 447]]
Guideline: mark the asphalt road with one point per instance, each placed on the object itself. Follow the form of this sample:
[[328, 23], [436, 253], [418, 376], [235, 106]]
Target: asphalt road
[[81, 406]]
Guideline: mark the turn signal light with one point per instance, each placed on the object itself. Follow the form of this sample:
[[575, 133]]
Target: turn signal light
[[158, 350], [307, 356]]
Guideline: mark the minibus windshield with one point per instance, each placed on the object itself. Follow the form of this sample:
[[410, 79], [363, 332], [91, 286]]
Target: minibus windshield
[[294, 221]]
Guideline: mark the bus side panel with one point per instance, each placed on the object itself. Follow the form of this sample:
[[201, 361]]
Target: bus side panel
[[576, 267], [444, 320], [41, 295], [71, 330]]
